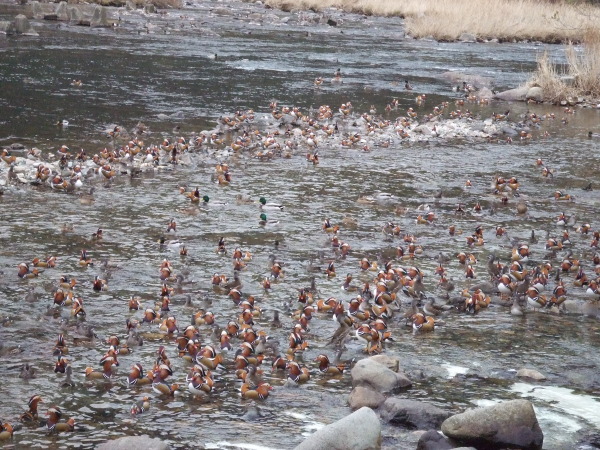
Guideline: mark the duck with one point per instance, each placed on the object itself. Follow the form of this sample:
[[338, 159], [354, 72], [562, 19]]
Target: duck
[[421, 322], [84, 259], [140, 406], [200, 385], [54, 426], [267, 222], [31, 415], [6, 431], [261, 392], [297, 373], [593, 290], [269, 206], [98, 284], [107, 363], [60, 348], [325, 366]]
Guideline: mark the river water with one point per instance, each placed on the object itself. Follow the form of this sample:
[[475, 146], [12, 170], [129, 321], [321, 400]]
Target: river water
[[161, 70]]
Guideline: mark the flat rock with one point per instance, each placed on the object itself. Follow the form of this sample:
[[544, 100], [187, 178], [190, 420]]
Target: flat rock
[[530, 373], [360, 430], [134, 442], [388, 361], [513, 95], [365, 396], [368, 372], [457, 78], [510, 424], [413, 413]]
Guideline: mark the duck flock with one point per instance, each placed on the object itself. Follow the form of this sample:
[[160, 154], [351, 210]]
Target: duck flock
[[406, 287]]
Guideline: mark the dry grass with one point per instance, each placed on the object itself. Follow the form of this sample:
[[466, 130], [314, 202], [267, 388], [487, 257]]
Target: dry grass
[[581, 76], [486, 19]]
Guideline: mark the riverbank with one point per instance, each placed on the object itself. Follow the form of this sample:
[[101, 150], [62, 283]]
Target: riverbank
[[446, 20]]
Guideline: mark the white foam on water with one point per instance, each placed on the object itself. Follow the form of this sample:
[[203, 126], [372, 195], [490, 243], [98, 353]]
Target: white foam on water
[[563, 399], [296, 415], [454, 370], [241, 445]]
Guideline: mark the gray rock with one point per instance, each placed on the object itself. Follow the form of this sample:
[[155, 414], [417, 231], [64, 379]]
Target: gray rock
[[456, 78], [62, 12], [485, 93], [75, 14], [150, 9], [513, 95], [130, 6], [508, 424], [413, 413], [432, 440], [368, 372], [360, 430], [99, 17], [467, 37], [530, 373], [365, 396], [535, 93], [7, 27], [134, 442], [388, 361], [508, 130], [423, 129], [22, 26]]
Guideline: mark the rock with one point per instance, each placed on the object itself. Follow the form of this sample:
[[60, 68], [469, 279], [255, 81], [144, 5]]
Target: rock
[[365, 396], [530, 373], [467, 37], [432, 440], [75, 14], [360, 430], [150, 9], [133, 442], [521, 207], [423, 129], [99, 17], [22, 26], [387, 361], [513, 95], [413, 413], [331, 23], [508, 130], [510, 424], [368, 372], [535, 93], [456, 78], [485, 93], [61, 11], [7, 27], [130, 5]]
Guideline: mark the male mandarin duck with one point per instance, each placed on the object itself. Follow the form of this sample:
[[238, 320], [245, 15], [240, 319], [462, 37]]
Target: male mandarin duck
[[84, 259], [140, 406], [60, 348], [421, 322], [134, 303], [534, 299], [200, 385], [136, 376], [327, 368], [6, 431], [25, 272], [297, 373], [209, 358], [261, 392], [169, 325], [31, 415], [330, 271], [49, 261], [99, 284], [61, 364], [107, 363], [54, 426]]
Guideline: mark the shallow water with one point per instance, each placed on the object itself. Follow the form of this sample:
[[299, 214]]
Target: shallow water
[[158, 70]]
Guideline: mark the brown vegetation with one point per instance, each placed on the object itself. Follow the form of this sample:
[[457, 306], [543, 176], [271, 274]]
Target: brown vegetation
[[581, 76], [486, 19]]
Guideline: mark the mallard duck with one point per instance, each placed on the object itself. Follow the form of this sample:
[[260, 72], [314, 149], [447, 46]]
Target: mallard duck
[[269, 206], [266, 222]]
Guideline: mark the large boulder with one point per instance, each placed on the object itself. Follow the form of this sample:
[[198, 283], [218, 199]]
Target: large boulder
[[432, 440], [513, 95], [360, 430], [134, 442], [22, 26], [535, 93], [368, 372], [511, 424], [388, 361], [365, 396], [413, 413], [99, 17]]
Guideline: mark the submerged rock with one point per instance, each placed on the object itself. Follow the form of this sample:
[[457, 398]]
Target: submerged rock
[[360, 430], [365, 396], [433, 440], [413, 413], [134, 442], [368, 372], [510, 424]]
